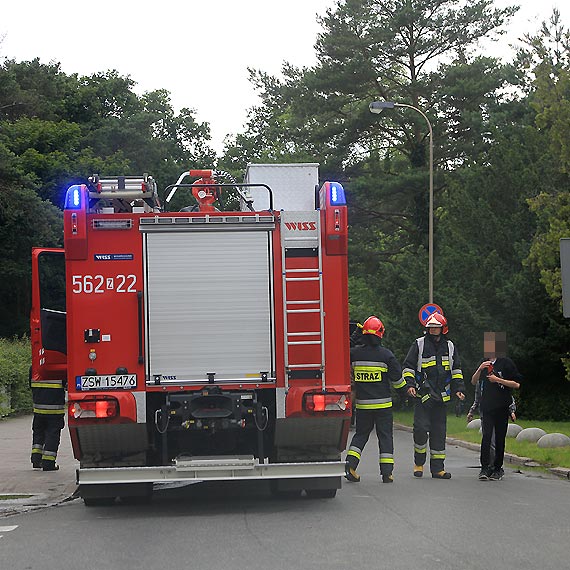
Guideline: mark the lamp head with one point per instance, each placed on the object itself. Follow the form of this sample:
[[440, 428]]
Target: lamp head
[[377, 107]]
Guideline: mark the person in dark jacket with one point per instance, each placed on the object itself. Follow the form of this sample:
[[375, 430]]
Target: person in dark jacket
[[475, 409], [498, 376], [432, 371], [375, 370], [48, 398]]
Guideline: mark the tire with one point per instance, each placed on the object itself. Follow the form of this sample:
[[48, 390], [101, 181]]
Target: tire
[[137, 494], [280, 493], [98, 501], [321, 493]]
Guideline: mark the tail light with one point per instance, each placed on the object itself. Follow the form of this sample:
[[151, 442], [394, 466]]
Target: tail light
[[100, 408], [327, 402]]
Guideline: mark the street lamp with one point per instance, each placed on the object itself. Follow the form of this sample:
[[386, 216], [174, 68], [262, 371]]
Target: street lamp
[[377, 107]]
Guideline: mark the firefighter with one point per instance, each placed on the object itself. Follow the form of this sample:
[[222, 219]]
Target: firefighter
[[432, 371], [48, 398], [375, 369]]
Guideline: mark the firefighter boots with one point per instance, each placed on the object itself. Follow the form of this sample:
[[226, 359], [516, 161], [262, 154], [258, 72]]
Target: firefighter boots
[[351, 474], [387, 479], [441, 475], [50, 466], [418, 470]]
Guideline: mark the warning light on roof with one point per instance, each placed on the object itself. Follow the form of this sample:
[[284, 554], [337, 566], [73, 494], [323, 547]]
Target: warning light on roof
[[337, 194], [73, 198]]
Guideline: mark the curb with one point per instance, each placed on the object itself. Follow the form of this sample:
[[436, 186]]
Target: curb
[[562, 472]]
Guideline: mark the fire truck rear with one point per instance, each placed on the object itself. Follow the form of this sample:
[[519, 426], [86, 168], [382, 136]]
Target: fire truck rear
[[202, 344]]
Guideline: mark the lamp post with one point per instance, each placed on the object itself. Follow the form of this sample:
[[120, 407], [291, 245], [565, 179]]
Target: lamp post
[[377, 107]]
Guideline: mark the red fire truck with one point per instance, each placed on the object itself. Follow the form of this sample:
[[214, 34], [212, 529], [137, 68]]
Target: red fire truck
[[201, 344]]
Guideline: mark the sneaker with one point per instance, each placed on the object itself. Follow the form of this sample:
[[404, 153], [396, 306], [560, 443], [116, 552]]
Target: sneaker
[[351, 475], [496, 474], [418, 470], [484, 474], [387, 478], [441, 475]]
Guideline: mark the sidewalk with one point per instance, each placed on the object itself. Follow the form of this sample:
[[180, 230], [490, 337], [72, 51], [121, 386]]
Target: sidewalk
[[17, 476]]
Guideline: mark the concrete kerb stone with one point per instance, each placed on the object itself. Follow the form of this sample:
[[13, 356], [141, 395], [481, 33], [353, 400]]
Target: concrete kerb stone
[[33, 502], [562, 472]]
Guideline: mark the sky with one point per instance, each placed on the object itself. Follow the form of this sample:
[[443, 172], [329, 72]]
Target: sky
[[198, 50]]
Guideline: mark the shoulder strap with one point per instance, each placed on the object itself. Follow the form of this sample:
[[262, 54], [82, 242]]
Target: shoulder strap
[[451, 349], [420, 343]]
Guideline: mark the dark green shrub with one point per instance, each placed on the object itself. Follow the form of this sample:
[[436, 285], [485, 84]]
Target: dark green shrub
[[15, 358]]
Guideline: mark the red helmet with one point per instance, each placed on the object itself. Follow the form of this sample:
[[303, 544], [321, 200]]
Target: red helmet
[[373, 325], [437, 320]]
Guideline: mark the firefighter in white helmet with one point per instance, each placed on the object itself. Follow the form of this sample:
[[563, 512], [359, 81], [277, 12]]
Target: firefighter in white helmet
[[375, 369], [432, 372]]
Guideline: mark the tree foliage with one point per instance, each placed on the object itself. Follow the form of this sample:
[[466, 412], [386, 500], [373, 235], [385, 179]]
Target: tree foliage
[[499, 137], [501, 149], [58, 129]]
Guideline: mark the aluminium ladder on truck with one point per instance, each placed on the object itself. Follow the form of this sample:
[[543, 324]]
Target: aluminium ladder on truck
[[303, 315]]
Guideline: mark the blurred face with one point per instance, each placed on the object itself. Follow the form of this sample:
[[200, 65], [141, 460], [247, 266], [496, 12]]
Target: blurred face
[[435, 331], [494, 344]]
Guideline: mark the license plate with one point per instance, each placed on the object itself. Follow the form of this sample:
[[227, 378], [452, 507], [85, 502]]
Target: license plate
[[106, 382]]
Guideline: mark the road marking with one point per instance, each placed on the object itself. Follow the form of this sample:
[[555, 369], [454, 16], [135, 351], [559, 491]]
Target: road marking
[[7, 529]]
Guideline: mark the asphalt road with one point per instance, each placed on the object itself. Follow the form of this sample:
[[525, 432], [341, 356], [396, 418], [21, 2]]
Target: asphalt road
[[520, 522]]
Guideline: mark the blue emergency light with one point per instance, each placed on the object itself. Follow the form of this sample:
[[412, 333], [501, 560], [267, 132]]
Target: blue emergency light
[[337, 194], [73, 198]]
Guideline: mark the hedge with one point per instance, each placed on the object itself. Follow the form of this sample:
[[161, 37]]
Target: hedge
[[15, 360]]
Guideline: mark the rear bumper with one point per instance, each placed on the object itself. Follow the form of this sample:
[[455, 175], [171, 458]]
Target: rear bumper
[[209, 469]]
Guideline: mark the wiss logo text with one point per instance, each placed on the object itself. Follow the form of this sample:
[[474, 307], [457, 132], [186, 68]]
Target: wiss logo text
[[301, 226]]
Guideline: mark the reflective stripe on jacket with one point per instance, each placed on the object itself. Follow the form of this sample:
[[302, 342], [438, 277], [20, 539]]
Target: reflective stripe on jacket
[[375, 370], [48, 397], [433, 369]]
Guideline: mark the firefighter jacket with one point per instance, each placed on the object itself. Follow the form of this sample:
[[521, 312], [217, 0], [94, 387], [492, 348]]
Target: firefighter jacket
[[48, 397], [374, 369], [434, 369]]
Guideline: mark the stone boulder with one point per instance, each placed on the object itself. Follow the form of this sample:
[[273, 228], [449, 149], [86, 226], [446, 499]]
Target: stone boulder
[[530, 434], [513, 430], [554, 440], [474, 424]]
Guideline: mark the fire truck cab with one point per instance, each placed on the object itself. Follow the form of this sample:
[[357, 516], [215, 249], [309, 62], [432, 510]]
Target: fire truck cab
[[200, 344]]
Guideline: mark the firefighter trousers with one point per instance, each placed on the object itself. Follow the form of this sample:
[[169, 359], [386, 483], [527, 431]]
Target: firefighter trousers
[[366, 421], [46, 435], [430, 420]]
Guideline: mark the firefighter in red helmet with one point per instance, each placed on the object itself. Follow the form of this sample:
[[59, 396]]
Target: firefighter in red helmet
[[374, 369], [432, 371]]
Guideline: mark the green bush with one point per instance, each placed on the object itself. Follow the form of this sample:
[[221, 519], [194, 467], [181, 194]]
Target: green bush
[[15, 393], [551, 403]]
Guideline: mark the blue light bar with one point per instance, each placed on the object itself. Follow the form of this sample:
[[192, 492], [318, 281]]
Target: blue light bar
[[73, 198], [337, 194]]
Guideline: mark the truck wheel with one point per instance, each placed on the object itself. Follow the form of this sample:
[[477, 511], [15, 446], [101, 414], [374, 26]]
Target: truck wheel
[[137, 494], [321, 493], [98, 501], [278, 491], [97, 495]]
